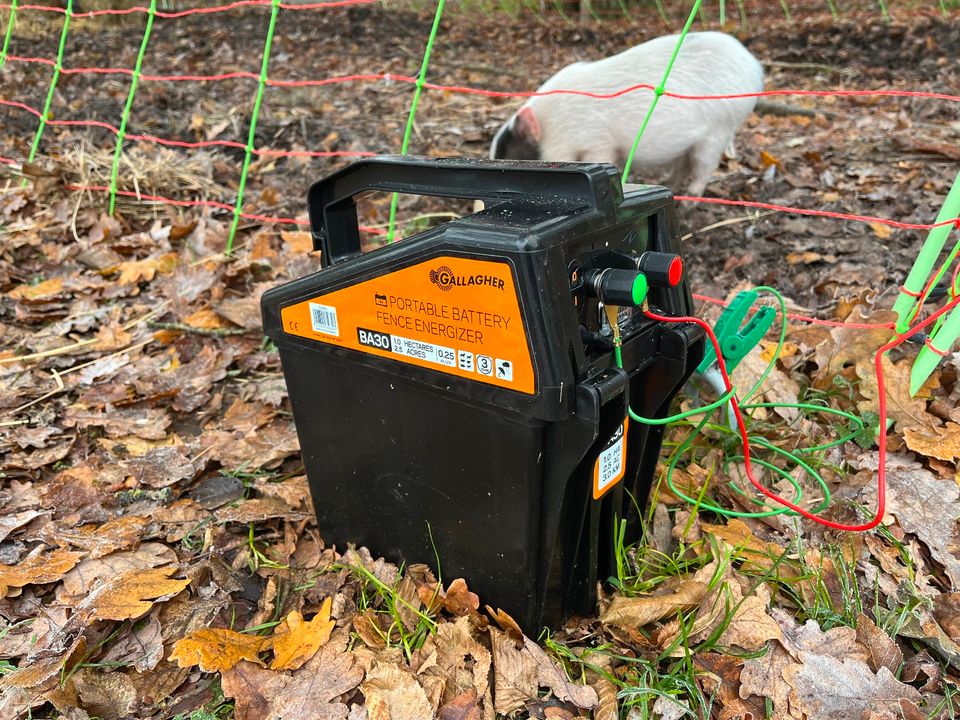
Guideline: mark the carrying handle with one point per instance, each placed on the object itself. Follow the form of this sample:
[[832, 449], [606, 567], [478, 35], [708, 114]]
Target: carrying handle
[[333, 212]]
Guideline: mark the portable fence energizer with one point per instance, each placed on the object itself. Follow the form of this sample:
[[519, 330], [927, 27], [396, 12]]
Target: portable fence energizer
[[457, 393]]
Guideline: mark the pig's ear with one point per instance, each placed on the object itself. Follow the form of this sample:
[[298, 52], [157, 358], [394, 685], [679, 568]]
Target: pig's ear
[[526, 124]]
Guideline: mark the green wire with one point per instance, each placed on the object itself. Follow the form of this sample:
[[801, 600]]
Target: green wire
[[660, 89], [722, 400], [816, 408], [417, 91], [252, 134], [53, 82], [679, 452], [792, 457], [135, 80], [9, 32]]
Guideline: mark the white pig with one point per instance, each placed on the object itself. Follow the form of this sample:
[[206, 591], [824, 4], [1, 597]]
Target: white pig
[[685, 138]]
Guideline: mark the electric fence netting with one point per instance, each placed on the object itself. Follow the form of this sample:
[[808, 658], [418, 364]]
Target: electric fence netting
[[252, 151]]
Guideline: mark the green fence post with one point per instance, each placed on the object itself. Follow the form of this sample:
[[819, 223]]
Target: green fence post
[[252, 134], [134, 81]]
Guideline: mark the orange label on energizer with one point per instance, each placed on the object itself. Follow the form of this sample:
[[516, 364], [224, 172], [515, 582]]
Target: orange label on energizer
[[456, 315], [611, 463]]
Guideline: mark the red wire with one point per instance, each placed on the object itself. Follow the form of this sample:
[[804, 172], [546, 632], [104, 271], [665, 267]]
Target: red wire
[[206, 203], [882, 401], [817, 213], [806, 318], [467, 90], [192, 11]]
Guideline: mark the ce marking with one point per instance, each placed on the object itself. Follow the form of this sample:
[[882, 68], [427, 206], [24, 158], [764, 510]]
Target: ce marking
[[294, 326]]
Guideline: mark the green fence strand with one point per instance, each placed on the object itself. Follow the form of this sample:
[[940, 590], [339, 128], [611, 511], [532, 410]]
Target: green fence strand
[[134, 81], [660, 89], [252, 134], [786, 11], [53, 82], [417, 91], [663, 13], [9, 33]]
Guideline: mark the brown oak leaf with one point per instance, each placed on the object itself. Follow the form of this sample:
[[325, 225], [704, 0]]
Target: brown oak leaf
[[296, 641], [217, 649]]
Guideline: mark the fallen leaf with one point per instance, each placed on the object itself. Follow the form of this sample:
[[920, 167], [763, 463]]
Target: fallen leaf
[[720, 676], [37, 569], [297, 242], [881, 230], [394, 694], [217, 649], [205, 319], [635, 612], [766, 160], [142, 648], [9, 523], [846, 346], [907, 411], [456, 600], [763, 677], [608, 706], [309, 693], [942, 443], [670, 708], [160, 467], [99, 540], [507, 624], [108, 696], [830, 689], [258, 510], [81, 580], [366, 626], [463, 707], [461, 662], [41, 291], [923, 505], [131, 595], [296, 641], [551, 675], [884, 651], [514, 674], [243, 312], [750, 627], [756, 554], [838, 642], [134, 271]]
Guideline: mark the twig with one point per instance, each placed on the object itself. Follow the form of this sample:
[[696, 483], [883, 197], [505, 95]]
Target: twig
[[805, 66], [82, 343], [214, 332], [723, 223], [57, 376]]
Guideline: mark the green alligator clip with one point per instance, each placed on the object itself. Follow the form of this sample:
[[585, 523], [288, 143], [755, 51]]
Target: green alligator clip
[[915, 290], [735, 342]]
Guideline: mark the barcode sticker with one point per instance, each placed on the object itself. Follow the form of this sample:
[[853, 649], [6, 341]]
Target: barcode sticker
[[323, 318]]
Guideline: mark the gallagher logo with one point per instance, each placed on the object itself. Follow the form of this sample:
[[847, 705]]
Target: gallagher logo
[[445, 279]]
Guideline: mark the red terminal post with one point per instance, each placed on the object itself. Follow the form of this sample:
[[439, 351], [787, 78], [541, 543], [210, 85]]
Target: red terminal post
[[661, 269]]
